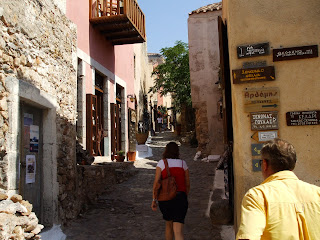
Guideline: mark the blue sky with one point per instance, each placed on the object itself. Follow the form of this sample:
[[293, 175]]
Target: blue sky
[[167, 21]]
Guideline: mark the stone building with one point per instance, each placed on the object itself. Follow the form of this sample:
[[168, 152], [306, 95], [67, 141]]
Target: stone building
[[155, 99], [63, 81], [38, 105], [211, 100], [274, 69], [268, 71], [206, 92], [108, 72]]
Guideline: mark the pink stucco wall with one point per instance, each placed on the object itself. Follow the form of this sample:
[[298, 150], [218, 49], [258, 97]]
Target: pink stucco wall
[[160, 99], [117, 59], [89, 82], [124, 68], [112, 95], [203, 36]]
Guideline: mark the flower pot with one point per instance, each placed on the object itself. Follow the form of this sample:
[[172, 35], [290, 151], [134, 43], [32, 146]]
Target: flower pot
[[142, 137], [131, 156], [119, 158]]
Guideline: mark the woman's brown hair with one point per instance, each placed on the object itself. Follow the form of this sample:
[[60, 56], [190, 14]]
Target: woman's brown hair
[[171, 151]]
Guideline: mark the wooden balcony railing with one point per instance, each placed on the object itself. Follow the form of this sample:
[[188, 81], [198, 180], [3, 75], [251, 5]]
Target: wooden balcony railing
[[120, 21]]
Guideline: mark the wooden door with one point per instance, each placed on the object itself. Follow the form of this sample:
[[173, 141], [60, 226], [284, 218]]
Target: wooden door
[[31, 157], [91, 128], [113, 131], [225, 81], [94, 129], [115, 128], [227, 111], [118, 127]]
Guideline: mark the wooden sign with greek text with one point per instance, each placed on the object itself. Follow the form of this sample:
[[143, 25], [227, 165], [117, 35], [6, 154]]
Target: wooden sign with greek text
[[303, 118], [294, 53], [264, 121], [253, 75], [253, 50], [261, 99]]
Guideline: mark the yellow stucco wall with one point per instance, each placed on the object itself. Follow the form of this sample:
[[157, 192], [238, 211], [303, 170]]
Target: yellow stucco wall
[[285, 23]]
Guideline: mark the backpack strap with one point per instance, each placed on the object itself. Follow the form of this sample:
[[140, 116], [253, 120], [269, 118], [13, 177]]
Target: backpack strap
[[167, 166]]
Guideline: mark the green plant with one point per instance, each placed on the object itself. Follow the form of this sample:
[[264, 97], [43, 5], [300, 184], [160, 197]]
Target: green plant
[[121, 153], [173, 76]]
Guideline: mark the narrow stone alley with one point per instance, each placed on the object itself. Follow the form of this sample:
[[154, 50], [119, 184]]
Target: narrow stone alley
[[125, 213]]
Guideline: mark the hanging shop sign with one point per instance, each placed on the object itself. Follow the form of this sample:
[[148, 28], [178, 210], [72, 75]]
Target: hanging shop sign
[[261, 99], [256, 165], [256, 149], [294, 53], [253, 50], [303, 118], [265, 136], [264, 121], [253, 75]]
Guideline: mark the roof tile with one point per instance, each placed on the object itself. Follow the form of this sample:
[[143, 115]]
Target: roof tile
[[208, 8]]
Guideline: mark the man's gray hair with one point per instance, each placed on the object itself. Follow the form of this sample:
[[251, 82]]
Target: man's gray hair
[[280, 154]]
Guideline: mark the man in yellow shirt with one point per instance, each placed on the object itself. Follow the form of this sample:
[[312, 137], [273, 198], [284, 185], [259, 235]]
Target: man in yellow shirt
[[282, 207]]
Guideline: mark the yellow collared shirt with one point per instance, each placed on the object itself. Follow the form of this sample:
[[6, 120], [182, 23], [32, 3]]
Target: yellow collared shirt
[[281, 208]]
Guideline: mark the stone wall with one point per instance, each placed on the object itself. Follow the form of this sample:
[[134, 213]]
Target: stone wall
[[204, 59], [202, 129], [94, 180], [4, 125], [297, 83], [17, 221], [38, 47]]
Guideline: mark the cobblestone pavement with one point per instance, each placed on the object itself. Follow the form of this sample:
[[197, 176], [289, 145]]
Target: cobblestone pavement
[[125, 213]]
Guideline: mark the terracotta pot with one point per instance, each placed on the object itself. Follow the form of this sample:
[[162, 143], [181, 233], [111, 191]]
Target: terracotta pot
[[142, 137], [131, 156], [119, 158]]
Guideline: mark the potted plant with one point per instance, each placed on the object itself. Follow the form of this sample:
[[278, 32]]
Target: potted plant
[[131, 156], [120, 156]]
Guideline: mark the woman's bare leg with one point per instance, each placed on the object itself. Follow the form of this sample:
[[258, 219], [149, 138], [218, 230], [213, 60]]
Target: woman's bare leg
[[178, 231], [169, 230]]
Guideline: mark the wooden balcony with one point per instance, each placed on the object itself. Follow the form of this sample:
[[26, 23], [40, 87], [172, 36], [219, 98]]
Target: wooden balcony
[[120, 21]]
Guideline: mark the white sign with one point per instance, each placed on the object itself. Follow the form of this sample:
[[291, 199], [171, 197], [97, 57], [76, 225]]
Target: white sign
[[30, 168], [34, 138], [267, 136]]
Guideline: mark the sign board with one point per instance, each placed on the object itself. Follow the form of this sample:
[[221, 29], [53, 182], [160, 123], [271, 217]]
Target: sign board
[[253, 50], [261, 99], [265, 136], [256, 165], [264, 121], [254, 64], [31, 168], [294, 53], [303, 118], [256, 149], [253, 75]]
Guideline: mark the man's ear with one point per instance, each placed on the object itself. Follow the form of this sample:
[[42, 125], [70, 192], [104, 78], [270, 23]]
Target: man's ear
[[264, 165]]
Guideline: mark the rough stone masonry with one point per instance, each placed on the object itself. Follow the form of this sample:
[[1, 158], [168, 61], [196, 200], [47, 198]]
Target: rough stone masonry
[[38, 47], [17, 221]]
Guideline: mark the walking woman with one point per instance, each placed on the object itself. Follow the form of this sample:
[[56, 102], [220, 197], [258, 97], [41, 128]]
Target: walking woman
[[174, 211]]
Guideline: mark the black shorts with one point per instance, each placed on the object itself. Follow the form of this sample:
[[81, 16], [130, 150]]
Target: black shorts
[[176, 209]]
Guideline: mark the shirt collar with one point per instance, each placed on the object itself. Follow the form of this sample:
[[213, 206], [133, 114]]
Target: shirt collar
[[281, 176]]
